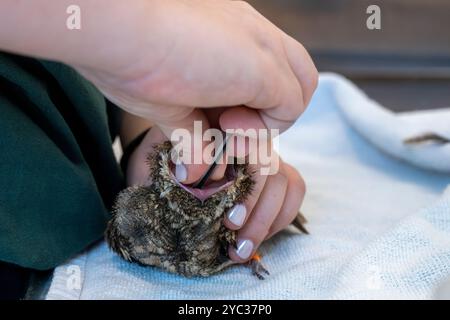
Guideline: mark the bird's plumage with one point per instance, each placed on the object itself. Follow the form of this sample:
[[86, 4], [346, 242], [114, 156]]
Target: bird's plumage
[[164, 225], [167, 226]]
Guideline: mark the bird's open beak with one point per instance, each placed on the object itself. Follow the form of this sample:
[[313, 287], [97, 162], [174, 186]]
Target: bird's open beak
[[211, 187]]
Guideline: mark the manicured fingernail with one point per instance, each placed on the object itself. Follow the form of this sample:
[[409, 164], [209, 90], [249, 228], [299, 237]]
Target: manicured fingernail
[[237, 215], [244, 248], [180, 172]]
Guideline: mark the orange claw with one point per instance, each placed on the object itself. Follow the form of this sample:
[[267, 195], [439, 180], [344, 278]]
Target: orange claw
[[256, 257], [257, 267]]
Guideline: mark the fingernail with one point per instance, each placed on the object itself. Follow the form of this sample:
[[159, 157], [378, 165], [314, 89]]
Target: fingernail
[[244, 248], [180, 172], [237, 215]]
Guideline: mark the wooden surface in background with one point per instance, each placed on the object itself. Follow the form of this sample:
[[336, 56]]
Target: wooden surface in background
[[405, 65], [408, 26]]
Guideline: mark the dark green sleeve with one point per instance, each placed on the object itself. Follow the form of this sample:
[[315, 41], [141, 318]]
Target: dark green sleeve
[[58, 174]]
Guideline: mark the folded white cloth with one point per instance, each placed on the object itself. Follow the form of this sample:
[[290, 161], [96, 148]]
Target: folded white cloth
[[380, 228], [388, 130]]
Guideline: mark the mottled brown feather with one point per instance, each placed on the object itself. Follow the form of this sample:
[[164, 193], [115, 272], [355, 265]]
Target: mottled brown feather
[[165, 226]]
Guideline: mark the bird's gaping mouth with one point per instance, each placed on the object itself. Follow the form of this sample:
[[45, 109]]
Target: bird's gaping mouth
[[211, 187]]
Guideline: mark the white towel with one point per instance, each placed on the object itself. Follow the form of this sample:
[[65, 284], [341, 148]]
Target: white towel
[[380, 227]]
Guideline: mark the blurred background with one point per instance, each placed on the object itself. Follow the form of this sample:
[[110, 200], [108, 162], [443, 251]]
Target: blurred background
[[405, 65]]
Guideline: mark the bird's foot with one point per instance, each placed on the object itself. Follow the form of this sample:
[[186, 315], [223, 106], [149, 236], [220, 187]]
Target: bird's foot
[[257, 267]]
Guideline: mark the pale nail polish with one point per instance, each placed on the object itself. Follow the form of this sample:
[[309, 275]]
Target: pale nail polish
[[237, 215], [180, 172], [244, 248]]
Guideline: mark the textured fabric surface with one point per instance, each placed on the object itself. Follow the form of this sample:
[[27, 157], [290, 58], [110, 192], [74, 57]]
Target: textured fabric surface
[[58, 174], [380, 227]]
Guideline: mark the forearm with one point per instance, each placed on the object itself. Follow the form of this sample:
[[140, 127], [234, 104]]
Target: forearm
[[38, 28]]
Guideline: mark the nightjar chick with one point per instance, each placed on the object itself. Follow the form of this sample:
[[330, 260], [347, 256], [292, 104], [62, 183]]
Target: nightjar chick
[[176, 227]]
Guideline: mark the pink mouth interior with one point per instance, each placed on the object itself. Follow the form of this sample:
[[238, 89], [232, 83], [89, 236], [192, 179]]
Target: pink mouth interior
[[211, 187]]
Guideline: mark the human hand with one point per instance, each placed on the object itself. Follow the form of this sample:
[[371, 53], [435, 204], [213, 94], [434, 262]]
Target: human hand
[[175, 56], [272, 205], [173, 61], [201, 54]]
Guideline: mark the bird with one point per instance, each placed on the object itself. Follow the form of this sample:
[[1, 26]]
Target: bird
[[177, 227]]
